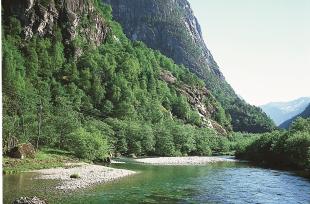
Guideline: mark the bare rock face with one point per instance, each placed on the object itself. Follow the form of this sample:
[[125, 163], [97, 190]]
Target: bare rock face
[[169, 26], [167, 77], [197, 99], [22, 151], [28, 200], [41, 16]]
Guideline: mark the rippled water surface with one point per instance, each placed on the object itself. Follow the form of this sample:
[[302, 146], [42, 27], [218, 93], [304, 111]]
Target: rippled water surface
[[213, 183]]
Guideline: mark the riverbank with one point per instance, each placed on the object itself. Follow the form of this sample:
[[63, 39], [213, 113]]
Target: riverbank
[[82, 175], [44, 159], [193, 160]]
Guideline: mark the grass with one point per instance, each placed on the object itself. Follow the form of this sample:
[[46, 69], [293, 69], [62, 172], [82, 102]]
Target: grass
[[45, 158]]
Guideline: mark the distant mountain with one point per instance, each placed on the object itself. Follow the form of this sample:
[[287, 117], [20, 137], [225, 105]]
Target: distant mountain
[[304, 114], [283, 111]]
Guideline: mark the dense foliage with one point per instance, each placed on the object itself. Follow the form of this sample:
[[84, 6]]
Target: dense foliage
[[107, 99], [172, 29], [280, 148]]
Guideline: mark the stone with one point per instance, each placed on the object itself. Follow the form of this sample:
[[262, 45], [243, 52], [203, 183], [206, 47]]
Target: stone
[[40, 17], [22, 151], [28, 200], [132, 156], [167, 77], [170, 27], [107, 160], [118, 155]]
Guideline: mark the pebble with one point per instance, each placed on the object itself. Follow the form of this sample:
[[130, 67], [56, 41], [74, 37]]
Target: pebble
[[89, 175], [193, 160]]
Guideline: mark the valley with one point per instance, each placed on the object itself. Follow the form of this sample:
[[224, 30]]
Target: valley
[[132, 85]]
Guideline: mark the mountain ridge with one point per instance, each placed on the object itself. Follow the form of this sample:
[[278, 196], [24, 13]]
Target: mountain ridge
[[282, 111], [171, 27], [304, 114], [62, 88]]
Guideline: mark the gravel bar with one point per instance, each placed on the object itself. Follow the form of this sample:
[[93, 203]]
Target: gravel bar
[[89, 175], [195, 160]]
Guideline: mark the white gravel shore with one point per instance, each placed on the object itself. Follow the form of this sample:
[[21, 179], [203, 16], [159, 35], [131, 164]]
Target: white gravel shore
[[89, 175], [195, 160]]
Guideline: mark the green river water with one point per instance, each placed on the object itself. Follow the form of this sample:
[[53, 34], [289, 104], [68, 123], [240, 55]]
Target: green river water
[[226, 182]]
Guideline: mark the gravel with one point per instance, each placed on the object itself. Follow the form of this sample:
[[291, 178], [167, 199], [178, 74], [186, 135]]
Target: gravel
[[89, 174], [183, 160]]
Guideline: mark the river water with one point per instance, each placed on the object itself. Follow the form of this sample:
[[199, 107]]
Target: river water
[[226, 182]]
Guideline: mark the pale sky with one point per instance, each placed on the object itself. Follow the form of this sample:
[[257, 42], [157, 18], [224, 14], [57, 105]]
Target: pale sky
[[261, 46]]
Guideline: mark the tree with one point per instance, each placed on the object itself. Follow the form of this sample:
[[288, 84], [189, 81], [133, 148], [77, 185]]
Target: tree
[[90, 145], [181, 108]]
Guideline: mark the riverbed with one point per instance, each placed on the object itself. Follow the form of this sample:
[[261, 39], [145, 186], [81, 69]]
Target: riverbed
[[222, 182]]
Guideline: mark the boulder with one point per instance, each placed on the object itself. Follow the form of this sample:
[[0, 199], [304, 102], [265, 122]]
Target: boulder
[[107, 160], [22, 151], [28, 200], [132, 156], [117, 155], [167, 77]]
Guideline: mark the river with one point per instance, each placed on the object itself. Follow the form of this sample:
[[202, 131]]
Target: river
[[226, 182]]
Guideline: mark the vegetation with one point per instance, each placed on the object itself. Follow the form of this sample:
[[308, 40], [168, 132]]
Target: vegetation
[[280, 148], [167, 25], [45, 158], [108, 99]]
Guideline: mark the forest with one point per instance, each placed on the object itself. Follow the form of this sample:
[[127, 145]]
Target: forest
[[279, 148], [110, 99]]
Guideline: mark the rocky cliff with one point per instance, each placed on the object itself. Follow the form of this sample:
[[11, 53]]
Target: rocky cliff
[[171, 27], [41, 17], [200, 99], [79, 20], [166, 25]]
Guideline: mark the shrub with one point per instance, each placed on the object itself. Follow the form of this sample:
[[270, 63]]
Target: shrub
[[90, 145], [288, 148], [297, 149]]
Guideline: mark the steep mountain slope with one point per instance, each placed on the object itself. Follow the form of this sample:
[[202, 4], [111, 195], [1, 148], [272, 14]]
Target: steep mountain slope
[[73, 80], [170, 27], [282, 111], [304, 114]]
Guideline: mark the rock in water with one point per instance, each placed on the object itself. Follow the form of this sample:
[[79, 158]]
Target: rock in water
[[22, 151], [28, 200]]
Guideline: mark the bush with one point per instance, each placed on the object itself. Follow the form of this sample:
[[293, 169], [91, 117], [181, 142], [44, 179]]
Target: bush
[[89, 145], [297, 148], [288, 148]]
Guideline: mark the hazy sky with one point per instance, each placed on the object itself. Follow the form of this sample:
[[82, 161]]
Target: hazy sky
[[261, 46]]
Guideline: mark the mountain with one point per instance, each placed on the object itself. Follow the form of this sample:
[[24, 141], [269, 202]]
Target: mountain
[[171, 27], [72, 80], [304, 114], [282, 111]]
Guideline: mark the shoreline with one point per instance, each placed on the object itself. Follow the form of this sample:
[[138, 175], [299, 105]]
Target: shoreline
[[191, 160], [89, 175], [92, 174]]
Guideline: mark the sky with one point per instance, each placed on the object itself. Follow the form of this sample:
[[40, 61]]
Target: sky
[[261, 46]]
